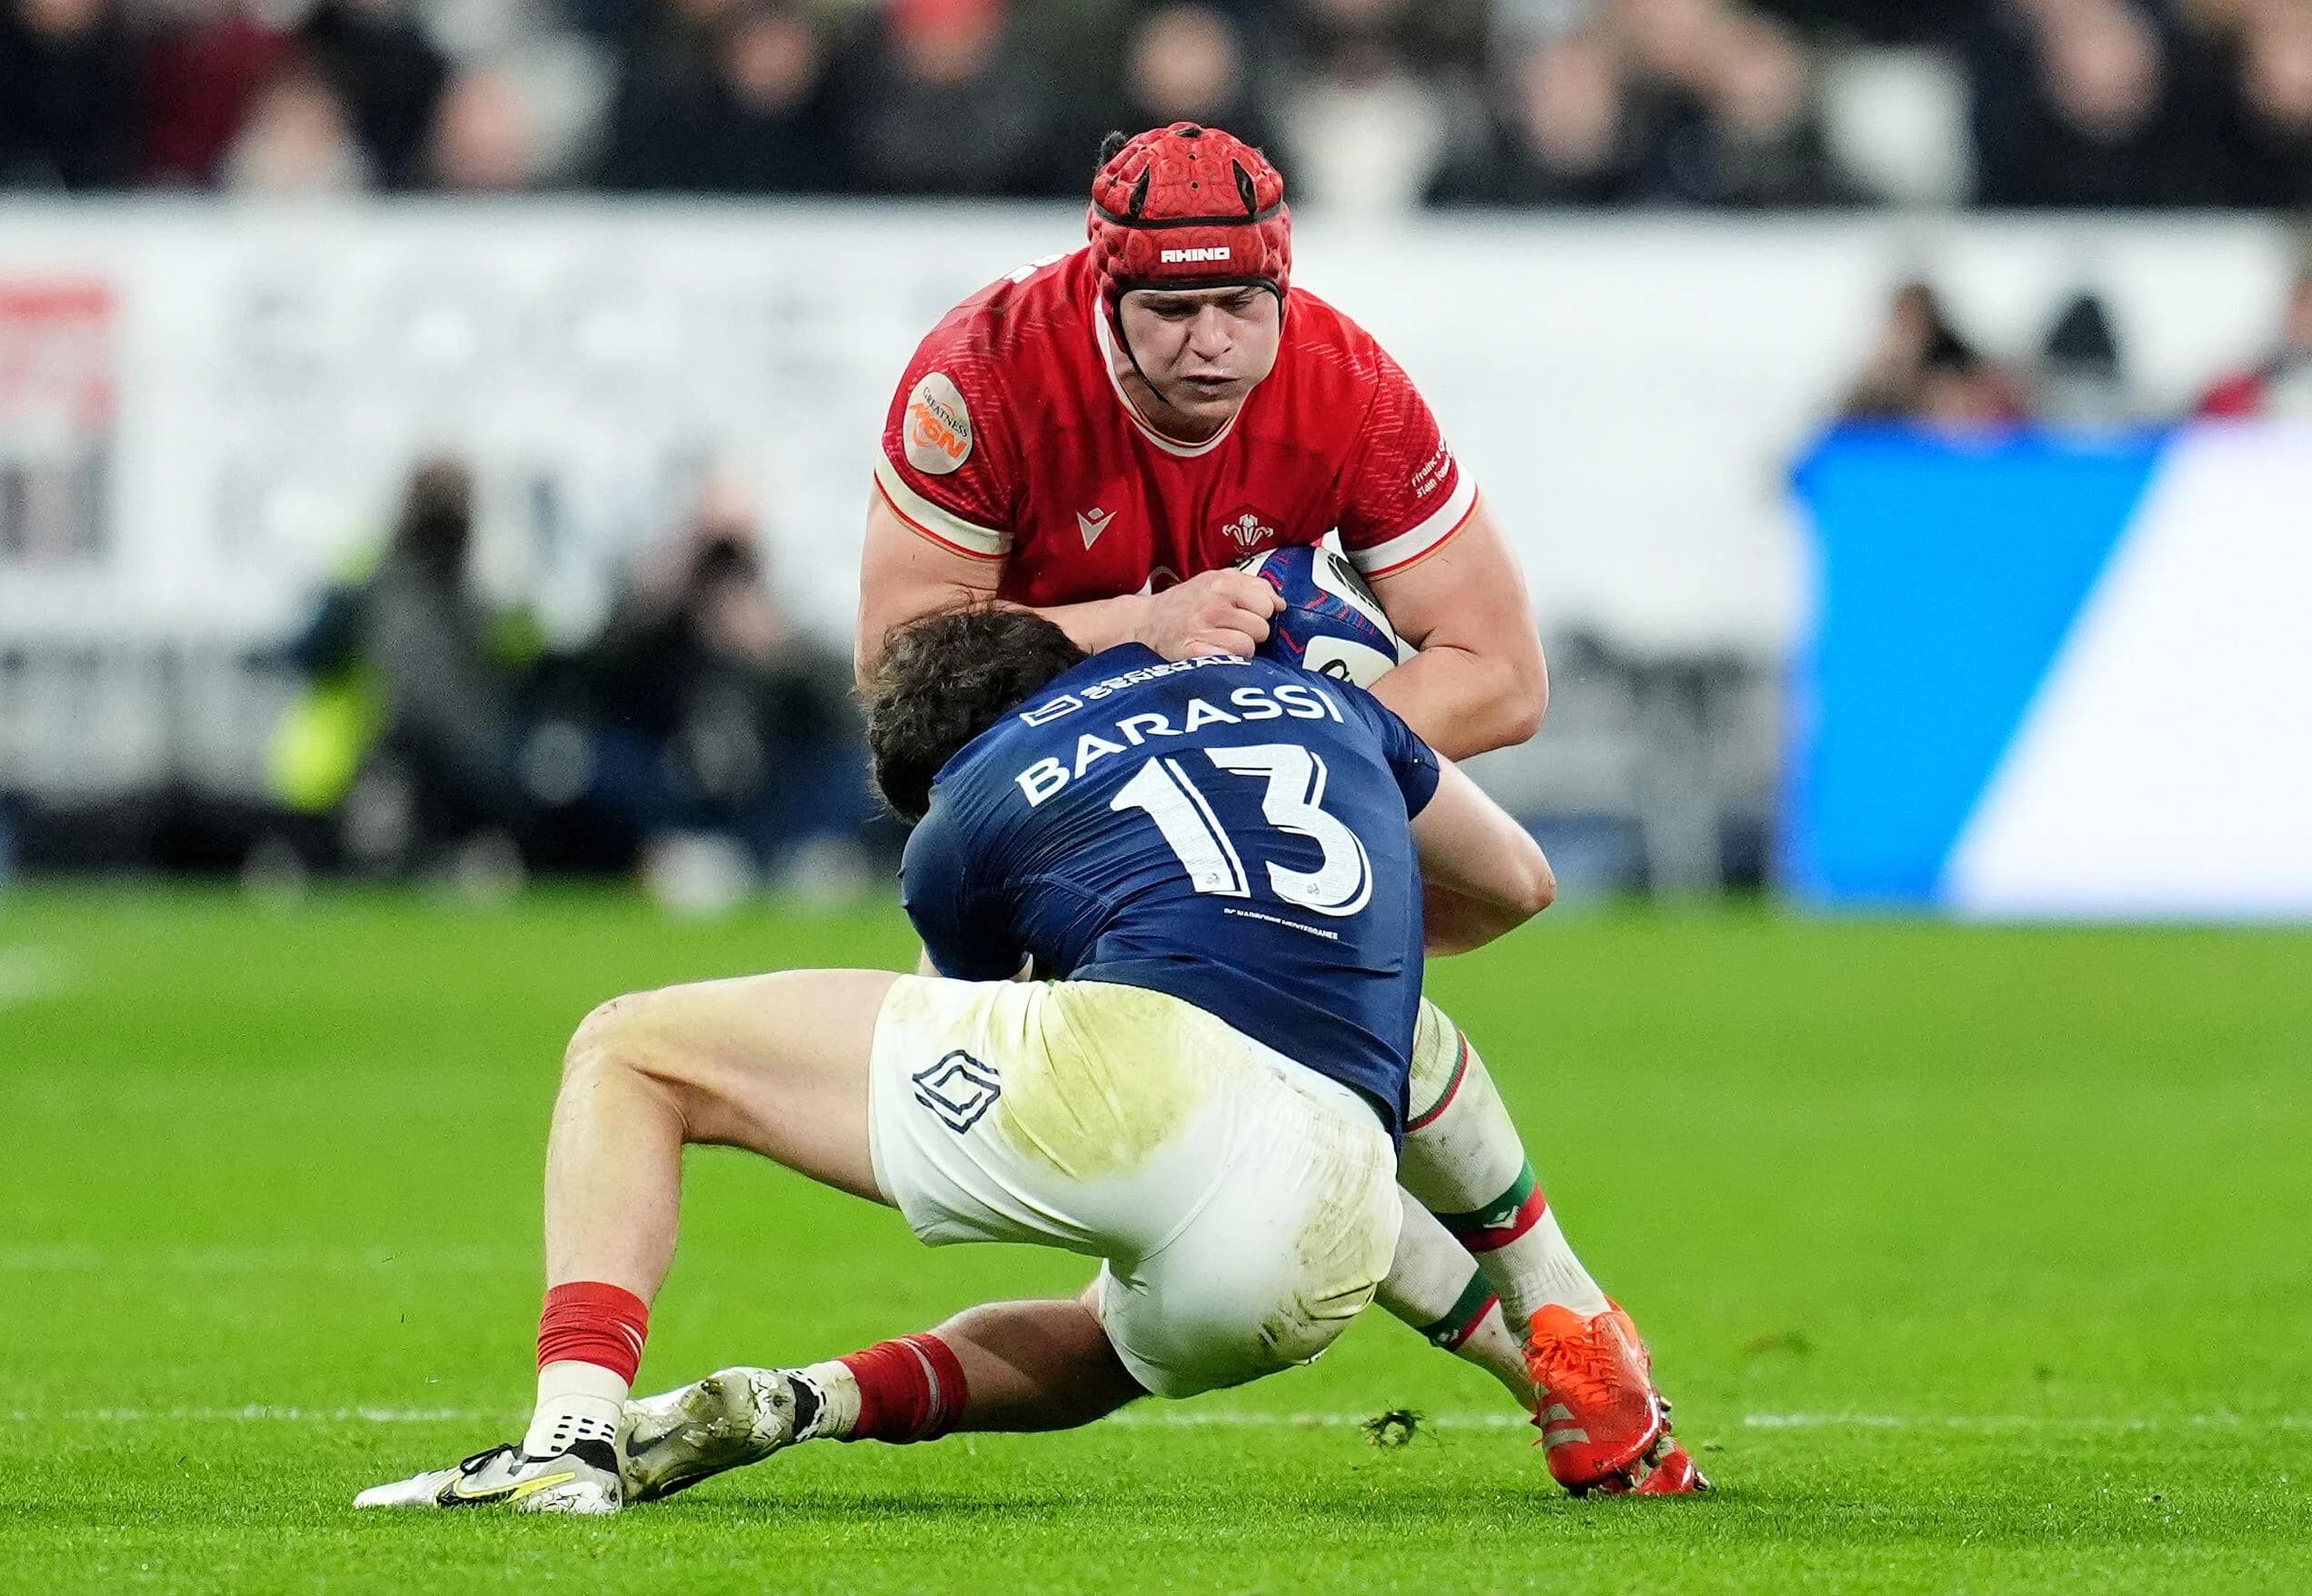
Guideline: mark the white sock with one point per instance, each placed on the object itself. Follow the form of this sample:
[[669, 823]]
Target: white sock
[[837, 1389], [576, 1401], [1465, 1161], [1435, 1286], [1546, 1266]]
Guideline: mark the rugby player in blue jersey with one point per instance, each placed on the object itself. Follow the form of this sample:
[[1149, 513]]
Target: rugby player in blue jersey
[[1213, 869]]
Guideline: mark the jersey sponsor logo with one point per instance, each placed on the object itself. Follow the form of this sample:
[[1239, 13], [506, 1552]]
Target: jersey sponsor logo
[[1172, 257], [1249, 531], [938, 426], [1092, 522], [1067, 703], [958, 1089]]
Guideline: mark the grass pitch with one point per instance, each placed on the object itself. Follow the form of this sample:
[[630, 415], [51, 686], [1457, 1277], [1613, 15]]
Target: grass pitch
[[1974, 1260]]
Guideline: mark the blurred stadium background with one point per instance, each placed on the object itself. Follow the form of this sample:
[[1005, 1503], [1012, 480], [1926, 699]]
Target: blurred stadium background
[[434, 438], [1642, 255]]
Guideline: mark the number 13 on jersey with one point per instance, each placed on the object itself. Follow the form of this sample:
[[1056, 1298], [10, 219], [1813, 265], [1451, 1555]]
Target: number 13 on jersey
[[1293, 801]]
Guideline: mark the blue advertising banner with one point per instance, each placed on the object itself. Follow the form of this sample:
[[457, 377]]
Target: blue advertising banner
[[2050, 677]]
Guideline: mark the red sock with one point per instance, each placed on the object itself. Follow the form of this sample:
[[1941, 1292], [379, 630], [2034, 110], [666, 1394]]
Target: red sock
[[591, 1322], [909, 1390]]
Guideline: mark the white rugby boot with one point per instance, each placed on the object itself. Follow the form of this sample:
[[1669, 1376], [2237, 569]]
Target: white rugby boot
[[582, 1479], [671, 1441]]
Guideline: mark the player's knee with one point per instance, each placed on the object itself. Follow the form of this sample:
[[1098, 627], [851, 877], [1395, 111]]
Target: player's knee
[[610, 1037]]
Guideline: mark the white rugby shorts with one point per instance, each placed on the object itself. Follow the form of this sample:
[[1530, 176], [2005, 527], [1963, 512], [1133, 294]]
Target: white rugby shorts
[[1245, 1206]]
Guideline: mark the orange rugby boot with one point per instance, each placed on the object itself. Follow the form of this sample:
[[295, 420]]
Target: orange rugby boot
[[1603, 1424]]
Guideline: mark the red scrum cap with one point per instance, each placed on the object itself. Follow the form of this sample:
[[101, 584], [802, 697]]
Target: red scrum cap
[[1186, 207]]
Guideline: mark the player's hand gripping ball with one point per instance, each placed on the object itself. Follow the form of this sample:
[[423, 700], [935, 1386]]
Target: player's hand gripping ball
[[1330, 623]]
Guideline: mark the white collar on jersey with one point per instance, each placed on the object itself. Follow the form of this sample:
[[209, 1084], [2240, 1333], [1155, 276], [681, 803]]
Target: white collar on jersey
[[1171, 445]]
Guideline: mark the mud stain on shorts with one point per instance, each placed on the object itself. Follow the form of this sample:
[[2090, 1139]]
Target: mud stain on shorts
[[1116, 1077], [1350, 1240]]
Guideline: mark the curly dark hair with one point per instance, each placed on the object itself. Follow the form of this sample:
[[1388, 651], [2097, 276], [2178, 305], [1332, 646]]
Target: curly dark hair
[[945, 678]]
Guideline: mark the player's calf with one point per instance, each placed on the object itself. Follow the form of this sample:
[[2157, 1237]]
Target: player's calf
[[1465, 1161], [1004, 1366], [1438, 1289]]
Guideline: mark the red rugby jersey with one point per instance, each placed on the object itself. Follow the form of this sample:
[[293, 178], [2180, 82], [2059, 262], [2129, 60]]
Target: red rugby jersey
[[1010, 439]]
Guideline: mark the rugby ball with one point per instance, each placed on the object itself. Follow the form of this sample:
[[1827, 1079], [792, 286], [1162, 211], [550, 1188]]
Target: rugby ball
[[1330, 623]]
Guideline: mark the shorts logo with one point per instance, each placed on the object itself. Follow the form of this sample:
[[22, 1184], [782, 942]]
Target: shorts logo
[[1248, 532], [938, 427], [958, 1089], [1172, 257]]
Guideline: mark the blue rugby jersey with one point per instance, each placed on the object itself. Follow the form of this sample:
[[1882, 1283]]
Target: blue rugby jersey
[[1232, 832]]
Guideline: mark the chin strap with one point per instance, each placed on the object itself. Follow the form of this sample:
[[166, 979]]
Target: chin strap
[[1116, 320]]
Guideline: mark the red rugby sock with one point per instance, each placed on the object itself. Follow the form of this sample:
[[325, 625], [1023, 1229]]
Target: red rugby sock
[[592, 1322], [911, 1389]]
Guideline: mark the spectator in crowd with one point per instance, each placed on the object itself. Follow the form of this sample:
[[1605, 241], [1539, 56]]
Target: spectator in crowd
[[1366, 130], [1187, 62], [2097, 104], [1923, 371], [1673, 45], [70, 105], [2274, 105], [1566, 136], [483, 139], [204, 68], [2281, 382], [740, 102], [945, 105], [777, 105], [2082, 380], [386, 71], [1753, 140], [719, 716], [660, 129], [2089, 103], [297, 142], [407, 740]]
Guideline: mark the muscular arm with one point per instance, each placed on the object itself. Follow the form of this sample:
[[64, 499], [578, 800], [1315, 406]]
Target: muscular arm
[[904, 575], [1482, 872], [1480, 680]]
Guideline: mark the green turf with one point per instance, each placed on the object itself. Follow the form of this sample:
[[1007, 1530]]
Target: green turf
[[1976, 1259]]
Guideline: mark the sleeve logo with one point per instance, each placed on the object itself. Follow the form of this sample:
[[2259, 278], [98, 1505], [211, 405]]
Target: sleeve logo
[[939, 427]]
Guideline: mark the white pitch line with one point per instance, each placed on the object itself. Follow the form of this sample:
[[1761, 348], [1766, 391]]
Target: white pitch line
[[1154, 1418], [253, 1414], [1993, 1421], [68, 1257], [1195, 1418]]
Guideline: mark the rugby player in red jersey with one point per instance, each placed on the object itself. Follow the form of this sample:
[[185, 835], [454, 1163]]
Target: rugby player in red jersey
[[1100, 437]]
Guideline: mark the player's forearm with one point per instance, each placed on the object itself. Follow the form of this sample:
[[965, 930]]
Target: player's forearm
[[1463, 702], [1094, 626], [1482, 873], [1097, 624], [1452, 922]]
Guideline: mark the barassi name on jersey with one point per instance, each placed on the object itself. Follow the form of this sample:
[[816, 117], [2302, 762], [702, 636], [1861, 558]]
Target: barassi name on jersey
[[1048, 776]]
